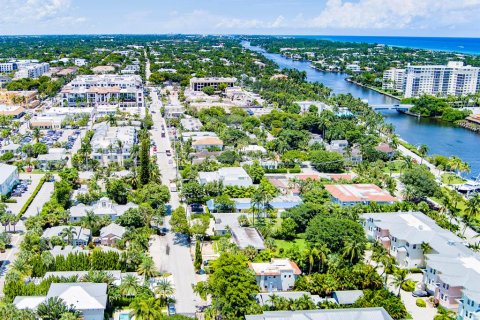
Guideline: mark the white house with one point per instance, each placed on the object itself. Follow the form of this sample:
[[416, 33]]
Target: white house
[[103, 207], [112, 144], [8, 178], [229, 176], [276, 275], [81, 236], [88, 298], [470, 305], [207, 143]]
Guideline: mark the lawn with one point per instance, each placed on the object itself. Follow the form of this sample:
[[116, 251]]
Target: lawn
[[396, 166], [450, 178], [287, 244]]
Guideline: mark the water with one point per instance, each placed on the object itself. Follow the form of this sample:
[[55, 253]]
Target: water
[[440, 138], [462, 45]]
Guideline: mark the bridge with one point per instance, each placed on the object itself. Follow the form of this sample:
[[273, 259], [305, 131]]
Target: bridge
[[398, 107]]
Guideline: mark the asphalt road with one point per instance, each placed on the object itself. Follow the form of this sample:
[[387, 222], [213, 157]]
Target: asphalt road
[[178, 260]]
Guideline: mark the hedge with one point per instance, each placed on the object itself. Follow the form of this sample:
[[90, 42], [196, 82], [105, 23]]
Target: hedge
[[421, 303], [30, 199], [408, 286]]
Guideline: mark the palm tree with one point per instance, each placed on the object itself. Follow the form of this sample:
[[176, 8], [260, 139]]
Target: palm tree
[[129, 286], [36, 134], [22, 267], [98, 277], [71, 316], [70, 233], [164, 289], [426, 248], [353, 250], [147, 267], [90, 220], [400, 278], [47, 259], [423, 150], [322, 256], [473, 206], [54, 308], [146, 309]]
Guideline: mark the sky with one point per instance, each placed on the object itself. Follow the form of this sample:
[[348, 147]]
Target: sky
[[455, 18]]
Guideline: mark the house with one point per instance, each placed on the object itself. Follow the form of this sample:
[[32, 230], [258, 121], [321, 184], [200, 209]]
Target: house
[[347, 297], [11, 147], [229, 176], [403, 233], [276, 275], [470, 305], [110, 234], [224, 222], [247, 237], [191, 124], [55, 156], [338, 146], [279, 203], [15, 111], [8, 178], [88, 298], [81, 236], [324, 314], [66, 250], [207, 143], [112, 144], [385, 148], [351, 194], [102, 208], [253, 148]]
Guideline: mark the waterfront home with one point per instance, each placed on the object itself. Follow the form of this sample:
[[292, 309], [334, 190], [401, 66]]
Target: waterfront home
[[88, 298], [276, 275], [351, 194]]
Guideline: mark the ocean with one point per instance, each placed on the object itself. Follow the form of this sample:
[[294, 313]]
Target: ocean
[[460, 45]]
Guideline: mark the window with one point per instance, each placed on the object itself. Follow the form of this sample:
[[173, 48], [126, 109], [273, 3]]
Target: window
[[414, 246]]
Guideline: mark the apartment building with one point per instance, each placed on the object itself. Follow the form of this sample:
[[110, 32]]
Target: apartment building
[[104, 89], [452, 79], [197, 84], [6, 67], [33, 71], [393, 79], [112, 144], [276, 275], [451, 270]]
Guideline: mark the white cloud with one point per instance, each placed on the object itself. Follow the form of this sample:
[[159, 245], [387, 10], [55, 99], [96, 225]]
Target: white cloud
[[37, 11], [394, 14]]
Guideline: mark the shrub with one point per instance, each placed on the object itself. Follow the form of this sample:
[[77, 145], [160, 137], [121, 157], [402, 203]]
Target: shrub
[[421, 303], [408, 286], [416, 270], [30, 199]]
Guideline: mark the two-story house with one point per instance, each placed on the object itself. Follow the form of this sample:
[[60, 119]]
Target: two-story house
[[276, 275]]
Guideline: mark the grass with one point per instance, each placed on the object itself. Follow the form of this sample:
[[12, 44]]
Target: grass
[[451, 178], [287, 244], [396, 165]]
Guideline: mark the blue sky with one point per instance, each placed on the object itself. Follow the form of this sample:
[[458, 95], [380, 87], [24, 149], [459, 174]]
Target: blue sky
[[458, 18]]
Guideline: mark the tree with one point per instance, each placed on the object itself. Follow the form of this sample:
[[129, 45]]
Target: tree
[[71, 176], [54, 308], [353, 251], [421, 181], [146, 309], [9, 312], [423, 150], [231, 286], [132, 218], [333, 232], [287, 229], [117, 190], [165, 290], [129, 286], [326, 161], [155, 195], [473, 206], [399, 278], [90, 220], [208, 90], [179, 222], [147, 267], [69, 233], [255, 171], [144, 161], [383, 298], [198, 256]]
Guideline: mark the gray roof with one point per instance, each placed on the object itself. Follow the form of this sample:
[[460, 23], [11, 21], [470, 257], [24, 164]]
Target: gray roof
[[347, 296], [113, 229], [82, 295], [333, 314], [103, 207], [65, 251], [245, 237]]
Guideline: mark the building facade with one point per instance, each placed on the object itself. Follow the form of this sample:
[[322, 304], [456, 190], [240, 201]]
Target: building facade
[[393, 79], [276, 275], [8, 178], [6, 67], [104, 89], [197, 84], [112, 144], [33, 71]]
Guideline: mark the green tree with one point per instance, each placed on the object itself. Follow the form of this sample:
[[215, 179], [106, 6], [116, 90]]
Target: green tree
[[198, 256], [421, 181], [146, 309], [165, 290], [326, 161], [117, 190], [179, 222], [255, 171], [144, 161], [54, 308]]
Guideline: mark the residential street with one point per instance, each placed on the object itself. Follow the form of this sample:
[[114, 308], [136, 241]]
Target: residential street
[[178, 260]]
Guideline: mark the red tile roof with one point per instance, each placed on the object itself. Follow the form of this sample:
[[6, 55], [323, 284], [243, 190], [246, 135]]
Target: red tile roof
[[359, 193]]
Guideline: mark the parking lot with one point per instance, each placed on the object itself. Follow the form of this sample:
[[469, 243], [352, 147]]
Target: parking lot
[[22, 199]]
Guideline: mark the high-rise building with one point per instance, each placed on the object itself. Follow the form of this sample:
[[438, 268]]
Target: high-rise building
[[393, 79], [452, 79], [33, 70]]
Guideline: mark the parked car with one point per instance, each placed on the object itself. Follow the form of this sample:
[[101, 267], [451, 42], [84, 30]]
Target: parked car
[[420, 293], [171, 309]]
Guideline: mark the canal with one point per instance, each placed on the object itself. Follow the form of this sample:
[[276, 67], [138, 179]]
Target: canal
[[440, 138]]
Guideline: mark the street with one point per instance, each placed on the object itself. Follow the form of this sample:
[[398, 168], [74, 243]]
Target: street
[[176, 259]]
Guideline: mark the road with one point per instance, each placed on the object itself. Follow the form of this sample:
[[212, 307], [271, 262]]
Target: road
[[178, 260]]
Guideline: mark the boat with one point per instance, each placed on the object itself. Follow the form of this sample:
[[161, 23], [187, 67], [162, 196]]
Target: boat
[[470, 186]]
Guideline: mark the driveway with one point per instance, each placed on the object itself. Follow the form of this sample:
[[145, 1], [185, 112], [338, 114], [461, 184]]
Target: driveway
[[16, 207], [43, 196]]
